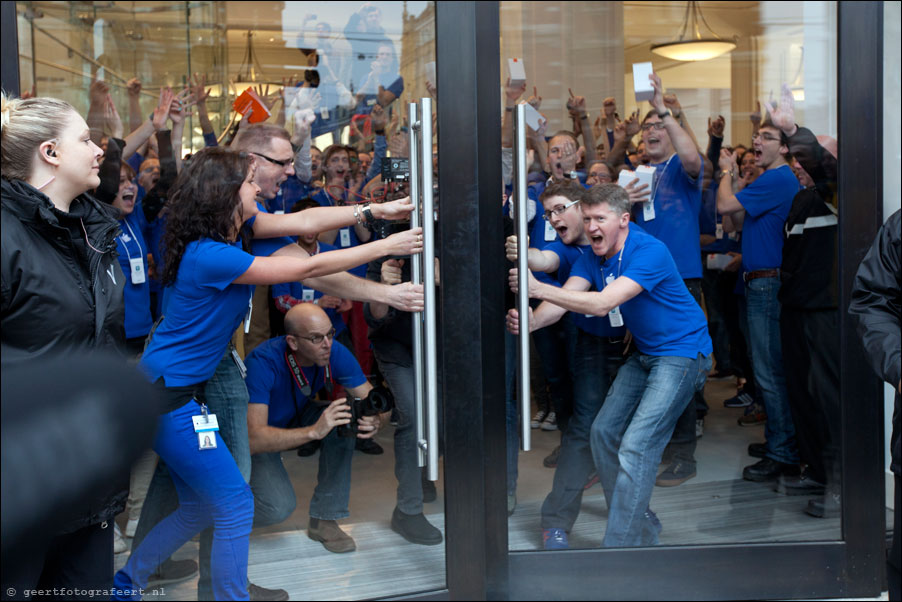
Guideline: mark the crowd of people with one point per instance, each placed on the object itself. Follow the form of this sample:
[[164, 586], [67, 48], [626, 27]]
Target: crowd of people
[[263, 286]]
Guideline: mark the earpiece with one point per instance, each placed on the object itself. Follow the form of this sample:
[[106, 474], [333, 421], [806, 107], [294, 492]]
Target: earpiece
[[51, 152]]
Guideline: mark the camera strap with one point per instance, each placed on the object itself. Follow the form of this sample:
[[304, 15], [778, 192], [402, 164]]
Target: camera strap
[[298, 375]]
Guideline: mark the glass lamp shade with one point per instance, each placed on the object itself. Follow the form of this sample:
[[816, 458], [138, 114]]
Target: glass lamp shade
[[694, 50]]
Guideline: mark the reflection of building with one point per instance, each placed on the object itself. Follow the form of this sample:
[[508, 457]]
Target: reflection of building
[[417, 49]]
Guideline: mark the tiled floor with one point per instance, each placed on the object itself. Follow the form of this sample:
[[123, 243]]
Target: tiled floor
[[715, 507]]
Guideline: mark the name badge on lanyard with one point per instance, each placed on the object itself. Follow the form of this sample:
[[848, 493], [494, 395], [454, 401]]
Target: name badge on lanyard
[[307, 295], [247, 318], [345, 237], [550, 232], [719, 232], [205, 425], [137, 270], [615, 317]]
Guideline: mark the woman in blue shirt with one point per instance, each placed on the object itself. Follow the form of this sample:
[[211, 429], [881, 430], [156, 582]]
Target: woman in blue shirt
[[210, 280]]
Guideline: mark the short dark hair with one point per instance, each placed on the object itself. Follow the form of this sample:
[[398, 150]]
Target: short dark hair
[[612, 194], [568, 189], [303, 204]]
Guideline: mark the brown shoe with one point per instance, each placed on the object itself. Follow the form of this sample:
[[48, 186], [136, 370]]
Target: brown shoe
[[330, 535]]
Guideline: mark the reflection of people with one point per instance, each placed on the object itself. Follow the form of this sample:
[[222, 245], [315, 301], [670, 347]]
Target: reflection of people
[[283, 375], [875, 306], [61, 294]]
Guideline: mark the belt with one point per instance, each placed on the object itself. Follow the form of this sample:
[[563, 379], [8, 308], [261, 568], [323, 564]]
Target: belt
[[774, 273]]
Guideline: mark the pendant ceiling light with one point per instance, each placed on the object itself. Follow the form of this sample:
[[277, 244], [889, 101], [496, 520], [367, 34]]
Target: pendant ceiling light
[[691, 46]]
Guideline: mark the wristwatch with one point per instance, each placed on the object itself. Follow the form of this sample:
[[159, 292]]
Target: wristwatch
[[368, 214], [724, 172]]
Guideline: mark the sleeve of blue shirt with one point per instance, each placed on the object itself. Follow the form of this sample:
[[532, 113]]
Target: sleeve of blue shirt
[[757, 198], [345, 368], [135, 161], [220, 265], [648, 265], [396, 87], [261, 376], [587, 268], [379, 147], [264, 247], [210, 139]]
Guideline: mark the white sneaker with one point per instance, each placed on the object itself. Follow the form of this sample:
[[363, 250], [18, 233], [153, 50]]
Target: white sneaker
[[131, 527], [550, 423], [119, 543], [538, 419]]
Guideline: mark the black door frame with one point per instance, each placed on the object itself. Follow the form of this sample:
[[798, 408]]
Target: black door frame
[[479, 564]]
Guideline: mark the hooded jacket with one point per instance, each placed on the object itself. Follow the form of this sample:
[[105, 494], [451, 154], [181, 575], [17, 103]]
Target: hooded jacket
[[61, 293]]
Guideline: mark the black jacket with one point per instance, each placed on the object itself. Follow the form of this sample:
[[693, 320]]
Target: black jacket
[[877, 308], [58, 296]]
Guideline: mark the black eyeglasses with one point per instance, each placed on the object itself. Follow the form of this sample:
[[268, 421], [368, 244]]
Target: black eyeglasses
[[764, 137], [558, 210], [316, 339], [283, 164], [658, 125]]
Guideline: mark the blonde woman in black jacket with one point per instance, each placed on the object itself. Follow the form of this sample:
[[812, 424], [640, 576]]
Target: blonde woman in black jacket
[[61, 293]]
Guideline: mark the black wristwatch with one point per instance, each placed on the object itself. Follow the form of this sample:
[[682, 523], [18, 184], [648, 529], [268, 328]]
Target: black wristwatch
[[368, 214]]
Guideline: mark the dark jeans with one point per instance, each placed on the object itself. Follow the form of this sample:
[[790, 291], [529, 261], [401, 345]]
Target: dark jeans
[[717, 287], [683, 441], [274, 498], [551, 346], [594, 364]]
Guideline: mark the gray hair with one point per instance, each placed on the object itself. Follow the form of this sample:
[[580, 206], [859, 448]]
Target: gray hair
[[616, 197]]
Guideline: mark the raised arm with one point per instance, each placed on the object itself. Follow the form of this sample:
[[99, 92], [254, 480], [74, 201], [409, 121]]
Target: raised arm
[[322, 219], [683, 143]]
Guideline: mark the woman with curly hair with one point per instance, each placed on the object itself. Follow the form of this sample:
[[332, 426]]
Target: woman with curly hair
[[209, 280]]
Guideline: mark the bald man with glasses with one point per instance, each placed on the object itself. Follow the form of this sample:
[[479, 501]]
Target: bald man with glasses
[[284, 376]]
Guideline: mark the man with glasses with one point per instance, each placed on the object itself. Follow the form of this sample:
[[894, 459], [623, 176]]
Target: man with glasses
[[762, 208], [284, 375], [671, 215]]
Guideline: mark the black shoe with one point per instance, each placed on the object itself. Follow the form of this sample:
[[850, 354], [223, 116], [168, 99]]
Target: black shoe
[[550, 460], [172, 571], [768, 470], [827, 506], [262, 594], [368, 446], [757, 450], [429, 493], [800, 485], [415, 528], [309, 448]]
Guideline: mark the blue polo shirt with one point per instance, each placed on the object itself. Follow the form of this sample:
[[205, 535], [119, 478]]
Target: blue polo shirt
[[270, 381], [131, 245], [766, 201], [203, 308], [664, 318], [569, 255], [299, 291], [709, 219], [678, 199]]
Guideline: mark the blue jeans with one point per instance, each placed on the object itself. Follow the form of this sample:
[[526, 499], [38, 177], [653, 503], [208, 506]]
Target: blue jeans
[[212, 492], [274, 498], [630, 433], [763, 315], [227, 397], [593, 362]]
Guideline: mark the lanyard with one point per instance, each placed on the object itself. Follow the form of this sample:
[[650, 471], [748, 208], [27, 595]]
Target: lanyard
[[134, 238], [657, 178], [619, 267], [298, 375]]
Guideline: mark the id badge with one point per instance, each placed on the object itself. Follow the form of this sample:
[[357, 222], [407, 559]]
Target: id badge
[[719, 232], [137, 270], [648, 211], [615, 317], [278, 212], [307, 295], [550, 232], [205, 425], [247, 318], [325, 113], [345, 235]]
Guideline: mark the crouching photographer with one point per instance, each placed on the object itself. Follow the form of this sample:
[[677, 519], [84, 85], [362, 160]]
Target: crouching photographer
[[284, 375]]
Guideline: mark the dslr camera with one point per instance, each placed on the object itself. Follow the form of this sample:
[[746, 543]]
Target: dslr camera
[[379, 400]]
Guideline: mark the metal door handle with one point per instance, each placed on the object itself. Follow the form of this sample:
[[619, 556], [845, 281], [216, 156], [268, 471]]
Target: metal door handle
[[416, 267], [521, 223]]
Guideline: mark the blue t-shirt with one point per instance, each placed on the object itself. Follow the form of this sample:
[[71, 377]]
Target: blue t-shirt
[[766, 201], [678, 199], [131, 245], [346, 237], [541, 233], [709, 219], [664, 318], [203, 308], [304, 293], [264, 247], [568, 256], [271, 382]]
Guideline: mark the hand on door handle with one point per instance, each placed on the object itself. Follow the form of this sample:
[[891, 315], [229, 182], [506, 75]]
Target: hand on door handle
[[408, 242], [393, 210], [407, 297]]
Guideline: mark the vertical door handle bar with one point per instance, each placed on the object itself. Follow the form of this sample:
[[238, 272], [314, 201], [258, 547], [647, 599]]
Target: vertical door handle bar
[[416, 267], [521, 223]]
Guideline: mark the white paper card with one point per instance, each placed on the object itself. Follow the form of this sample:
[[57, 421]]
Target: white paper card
[[719, 261], [534, 119], [516, 72], [641, 85]]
